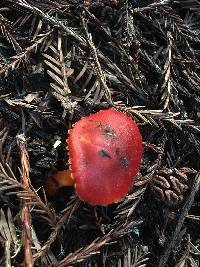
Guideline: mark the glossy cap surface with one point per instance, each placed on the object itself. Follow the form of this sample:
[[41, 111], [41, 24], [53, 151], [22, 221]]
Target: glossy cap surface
[[105, 152]]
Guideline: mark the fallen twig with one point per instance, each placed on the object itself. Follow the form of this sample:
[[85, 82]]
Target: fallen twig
[[82, 43], [25, 209]]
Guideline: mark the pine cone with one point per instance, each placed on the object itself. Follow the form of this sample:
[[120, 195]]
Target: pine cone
[[170, 184]]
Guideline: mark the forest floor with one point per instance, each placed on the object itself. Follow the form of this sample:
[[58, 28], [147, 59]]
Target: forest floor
[[61, 60]]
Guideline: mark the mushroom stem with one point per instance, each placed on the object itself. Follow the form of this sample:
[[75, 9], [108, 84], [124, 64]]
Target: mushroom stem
[[58, 181]]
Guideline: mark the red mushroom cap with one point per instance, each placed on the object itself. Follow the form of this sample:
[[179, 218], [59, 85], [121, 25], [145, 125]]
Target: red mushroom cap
[[105, 151]]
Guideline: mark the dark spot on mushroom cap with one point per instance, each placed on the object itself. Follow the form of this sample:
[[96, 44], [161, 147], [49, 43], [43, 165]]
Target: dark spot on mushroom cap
[[104, 154], [109, 132]]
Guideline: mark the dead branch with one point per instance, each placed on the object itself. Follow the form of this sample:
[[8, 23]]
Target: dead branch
[[26, 207], [98, 68]]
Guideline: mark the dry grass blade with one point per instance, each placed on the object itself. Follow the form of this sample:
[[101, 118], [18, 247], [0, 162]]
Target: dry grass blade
[[51, 20], [38, 29], [187, 258], [152, 6], [9, 36], [94, 248], [92, 89], [137, 258], [81, 43], [19, 103], [134, 111], [6, 23], [81, 73], [90, 83], [98, 69], [5, 159], [23, 56], [125, 210], [49, 257], [59, 73], [193, 217], [85, 252], [9, 239], [166, 86], [150, 116], [9, 185], [64, 219]]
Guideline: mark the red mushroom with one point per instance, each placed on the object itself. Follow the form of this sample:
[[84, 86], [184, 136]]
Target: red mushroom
[[105, 151]]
